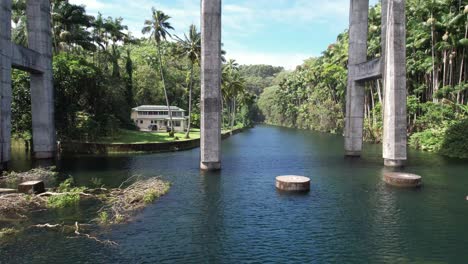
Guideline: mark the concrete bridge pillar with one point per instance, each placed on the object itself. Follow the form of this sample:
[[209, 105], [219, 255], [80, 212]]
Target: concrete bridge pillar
[[354, 120], [42, 97], [5, 81], [210, 141], [394, 75]]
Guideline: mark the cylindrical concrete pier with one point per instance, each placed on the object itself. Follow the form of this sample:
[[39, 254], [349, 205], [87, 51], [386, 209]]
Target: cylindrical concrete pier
[[394, 139], [210, 102], [402, 179], [42, 88], [354, 120], [293, 183]]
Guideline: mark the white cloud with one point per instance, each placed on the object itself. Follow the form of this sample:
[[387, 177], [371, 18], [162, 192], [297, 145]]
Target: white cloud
[[242, 20]]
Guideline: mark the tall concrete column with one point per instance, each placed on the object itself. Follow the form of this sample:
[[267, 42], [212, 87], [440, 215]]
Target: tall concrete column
[[358, 28], [210, 141], [42, 90], [5, 81], [394, 136]]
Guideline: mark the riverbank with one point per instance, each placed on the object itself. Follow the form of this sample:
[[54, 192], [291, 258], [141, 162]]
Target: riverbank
[[60, 207], [125, 136], [448, 140], [76, 147]]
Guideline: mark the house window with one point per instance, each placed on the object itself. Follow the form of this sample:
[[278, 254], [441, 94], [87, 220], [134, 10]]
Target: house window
[[141, 121], [177, 123]]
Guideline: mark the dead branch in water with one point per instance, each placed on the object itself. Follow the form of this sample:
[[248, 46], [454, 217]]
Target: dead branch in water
[[75, 229], [118, 204], [105, 242], [122, 203], [47, 225]]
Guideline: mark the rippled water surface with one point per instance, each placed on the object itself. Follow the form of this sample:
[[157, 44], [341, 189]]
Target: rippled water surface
[[237, 216]]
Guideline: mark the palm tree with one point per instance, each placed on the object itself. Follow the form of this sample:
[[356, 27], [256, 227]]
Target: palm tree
[[18, 17], [114, 29], [190, 47], [69, 26], [233, 84], [159, 27]]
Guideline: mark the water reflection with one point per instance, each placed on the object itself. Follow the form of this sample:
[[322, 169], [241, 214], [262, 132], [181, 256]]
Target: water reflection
[[236, 215]]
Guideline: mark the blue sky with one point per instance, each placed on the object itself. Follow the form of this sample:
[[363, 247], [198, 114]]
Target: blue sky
[[276, 32]]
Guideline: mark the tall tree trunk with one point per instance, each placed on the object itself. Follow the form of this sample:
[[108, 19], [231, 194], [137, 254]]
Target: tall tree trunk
[[233, 113], [451, 69], [187, 135], [444, 78], [171, 133], [374, 121], [379, 93], [435, 85], [460, 81]]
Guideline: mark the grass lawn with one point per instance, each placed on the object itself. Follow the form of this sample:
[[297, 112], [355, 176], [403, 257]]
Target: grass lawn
[[131, 136]]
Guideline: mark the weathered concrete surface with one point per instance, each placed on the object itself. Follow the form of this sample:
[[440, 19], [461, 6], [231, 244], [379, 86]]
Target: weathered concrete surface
[[293, 183], [42, 100], [5, 81], [401, 179], [394, 134], [34, 187], [369, 70], [210, 142], [358, 23], [37, 59], [26, 59]]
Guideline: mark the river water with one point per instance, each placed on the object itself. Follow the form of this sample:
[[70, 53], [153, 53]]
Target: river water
[[237, 216]]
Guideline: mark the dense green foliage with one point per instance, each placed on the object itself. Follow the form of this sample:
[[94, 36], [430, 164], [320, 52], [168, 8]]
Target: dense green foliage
[[101, 72], [257, 77], [313, 96], [68, 195], [455, 142]]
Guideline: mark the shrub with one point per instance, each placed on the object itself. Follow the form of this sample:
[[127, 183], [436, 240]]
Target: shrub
[[63, 200], [455, 143], [70, 195], [103, 218], [428, 140]]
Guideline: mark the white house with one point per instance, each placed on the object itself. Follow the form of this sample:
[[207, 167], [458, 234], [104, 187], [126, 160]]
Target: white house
[[156, 118]]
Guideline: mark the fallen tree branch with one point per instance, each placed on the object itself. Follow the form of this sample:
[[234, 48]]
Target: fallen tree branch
[[105, 242], [47, 225], [62, 193]]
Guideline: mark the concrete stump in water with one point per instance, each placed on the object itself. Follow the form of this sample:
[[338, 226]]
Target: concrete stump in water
[[293, 183], [34, 187], [402, 179]]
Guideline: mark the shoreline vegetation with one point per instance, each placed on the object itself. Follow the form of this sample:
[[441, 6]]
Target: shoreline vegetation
[[103, 148], [101, 71], [313, 95], [125, 136], [109, 206]]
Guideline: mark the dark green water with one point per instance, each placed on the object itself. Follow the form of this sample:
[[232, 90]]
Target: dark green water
[[237, 216]]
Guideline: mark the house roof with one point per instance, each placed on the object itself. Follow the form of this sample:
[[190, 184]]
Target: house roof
[[156, 108], [163, 118]]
